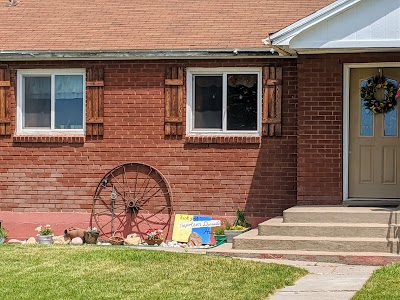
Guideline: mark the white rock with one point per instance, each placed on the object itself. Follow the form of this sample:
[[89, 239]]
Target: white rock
[[15, 241], [61, 240], [132, 239], [77, 241], [31, 241], [103, 244]]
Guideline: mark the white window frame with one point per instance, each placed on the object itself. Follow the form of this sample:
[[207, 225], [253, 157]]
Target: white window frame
[[190, 75], [21, 74]]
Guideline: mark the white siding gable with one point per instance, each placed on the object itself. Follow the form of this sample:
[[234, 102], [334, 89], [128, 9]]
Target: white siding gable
[[367, 24]]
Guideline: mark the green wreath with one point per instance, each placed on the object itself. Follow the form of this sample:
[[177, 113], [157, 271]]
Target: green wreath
[[368, 95]]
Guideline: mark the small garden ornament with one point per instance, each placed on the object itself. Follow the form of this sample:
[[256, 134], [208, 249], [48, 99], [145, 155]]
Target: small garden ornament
[[154, 236], [91, 235], [3, 234], [45, 234], [219, 236], [240, 226]]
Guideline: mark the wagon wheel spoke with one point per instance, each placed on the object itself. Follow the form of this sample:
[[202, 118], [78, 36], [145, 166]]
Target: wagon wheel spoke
[[142, 201]]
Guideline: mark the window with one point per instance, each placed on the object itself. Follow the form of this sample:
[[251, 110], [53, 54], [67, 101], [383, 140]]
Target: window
[[224, 101], [51, 101]]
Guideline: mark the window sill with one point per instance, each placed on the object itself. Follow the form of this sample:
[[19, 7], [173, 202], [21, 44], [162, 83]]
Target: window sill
[[62, 139], [212, 139]]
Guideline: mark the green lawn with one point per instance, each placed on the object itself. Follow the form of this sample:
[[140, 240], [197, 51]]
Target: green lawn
[[85, 272], [383, 284]]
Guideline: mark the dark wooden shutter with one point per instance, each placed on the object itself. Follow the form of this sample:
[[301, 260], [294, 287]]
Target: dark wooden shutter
[[174, 89], [95, 102], [5, 122], [272, 101]]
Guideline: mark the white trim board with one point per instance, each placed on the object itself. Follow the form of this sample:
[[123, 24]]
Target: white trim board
[[222, 71], [346, 116], [21, 73]]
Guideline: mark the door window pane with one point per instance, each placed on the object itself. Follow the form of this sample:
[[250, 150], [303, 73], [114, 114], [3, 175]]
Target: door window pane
[[390, 123], [242, 102], [208, 102], [367, 117], [68, 102], [390, 118], [37, 104]]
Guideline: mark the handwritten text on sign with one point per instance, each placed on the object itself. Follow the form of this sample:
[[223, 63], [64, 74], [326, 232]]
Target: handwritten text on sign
[[199, 224]]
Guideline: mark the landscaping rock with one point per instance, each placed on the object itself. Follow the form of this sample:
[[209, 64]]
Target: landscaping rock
[[194, 240], [15, 242], [31, 241], [77, 241], [132, 239], [61, 240]]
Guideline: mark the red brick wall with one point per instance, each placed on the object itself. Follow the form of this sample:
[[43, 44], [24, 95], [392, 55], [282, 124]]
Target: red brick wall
[[205, 178], [320, 91]]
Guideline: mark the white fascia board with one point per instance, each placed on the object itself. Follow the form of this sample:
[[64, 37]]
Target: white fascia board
[[352, 45], [283, 37]]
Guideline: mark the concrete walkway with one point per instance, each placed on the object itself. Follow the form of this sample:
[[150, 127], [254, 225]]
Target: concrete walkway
[[327, 281]]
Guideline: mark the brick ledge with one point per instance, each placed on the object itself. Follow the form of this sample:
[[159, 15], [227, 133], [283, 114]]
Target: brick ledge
[[211, 139], [66, 139]]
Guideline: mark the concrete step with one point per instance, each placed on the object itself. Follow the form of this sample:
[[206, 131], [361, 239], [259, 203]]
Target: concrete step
[[351, 258], [276, 227], [341, 214], [252, 241]]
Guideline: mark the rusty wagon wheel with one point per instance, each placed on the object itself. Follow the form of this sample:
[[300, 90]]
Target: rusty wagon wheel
[[132, 198]]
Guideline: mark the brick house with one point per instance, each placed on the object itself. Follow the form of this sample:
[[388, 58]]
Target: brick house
[[101, 84]]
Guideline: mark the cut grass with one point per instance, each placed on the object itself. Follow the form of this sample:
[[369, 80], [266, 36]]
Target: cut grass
[[383, 284], [85, 272]]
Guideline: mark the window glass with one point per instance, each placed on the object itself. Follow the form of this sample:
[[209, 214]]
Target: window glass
[[390, 123], [208, 102], [68, 102], [37, 104], [390, 118], [242, 102], [367, 117]]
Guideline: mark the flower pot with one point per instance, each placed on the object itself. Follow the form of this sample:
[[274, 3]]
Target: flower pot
[[230, 234], [91, 237], [45, 239], [153, 242], [220, 239]]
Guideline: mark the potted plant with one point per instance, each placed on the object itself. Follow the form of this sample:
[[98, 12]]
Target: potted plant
[[91, 235], [219, 236], [3, 235], [154, 236], [240, 226], [45, 234]]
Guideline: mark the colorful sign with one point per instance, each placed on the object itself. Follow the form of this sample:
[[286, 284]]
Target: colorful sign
[[181, 234], [186, 224]]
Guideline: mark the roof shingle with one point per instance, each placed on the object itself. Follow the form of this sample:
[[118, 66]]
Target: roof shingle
[[142, 25]]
